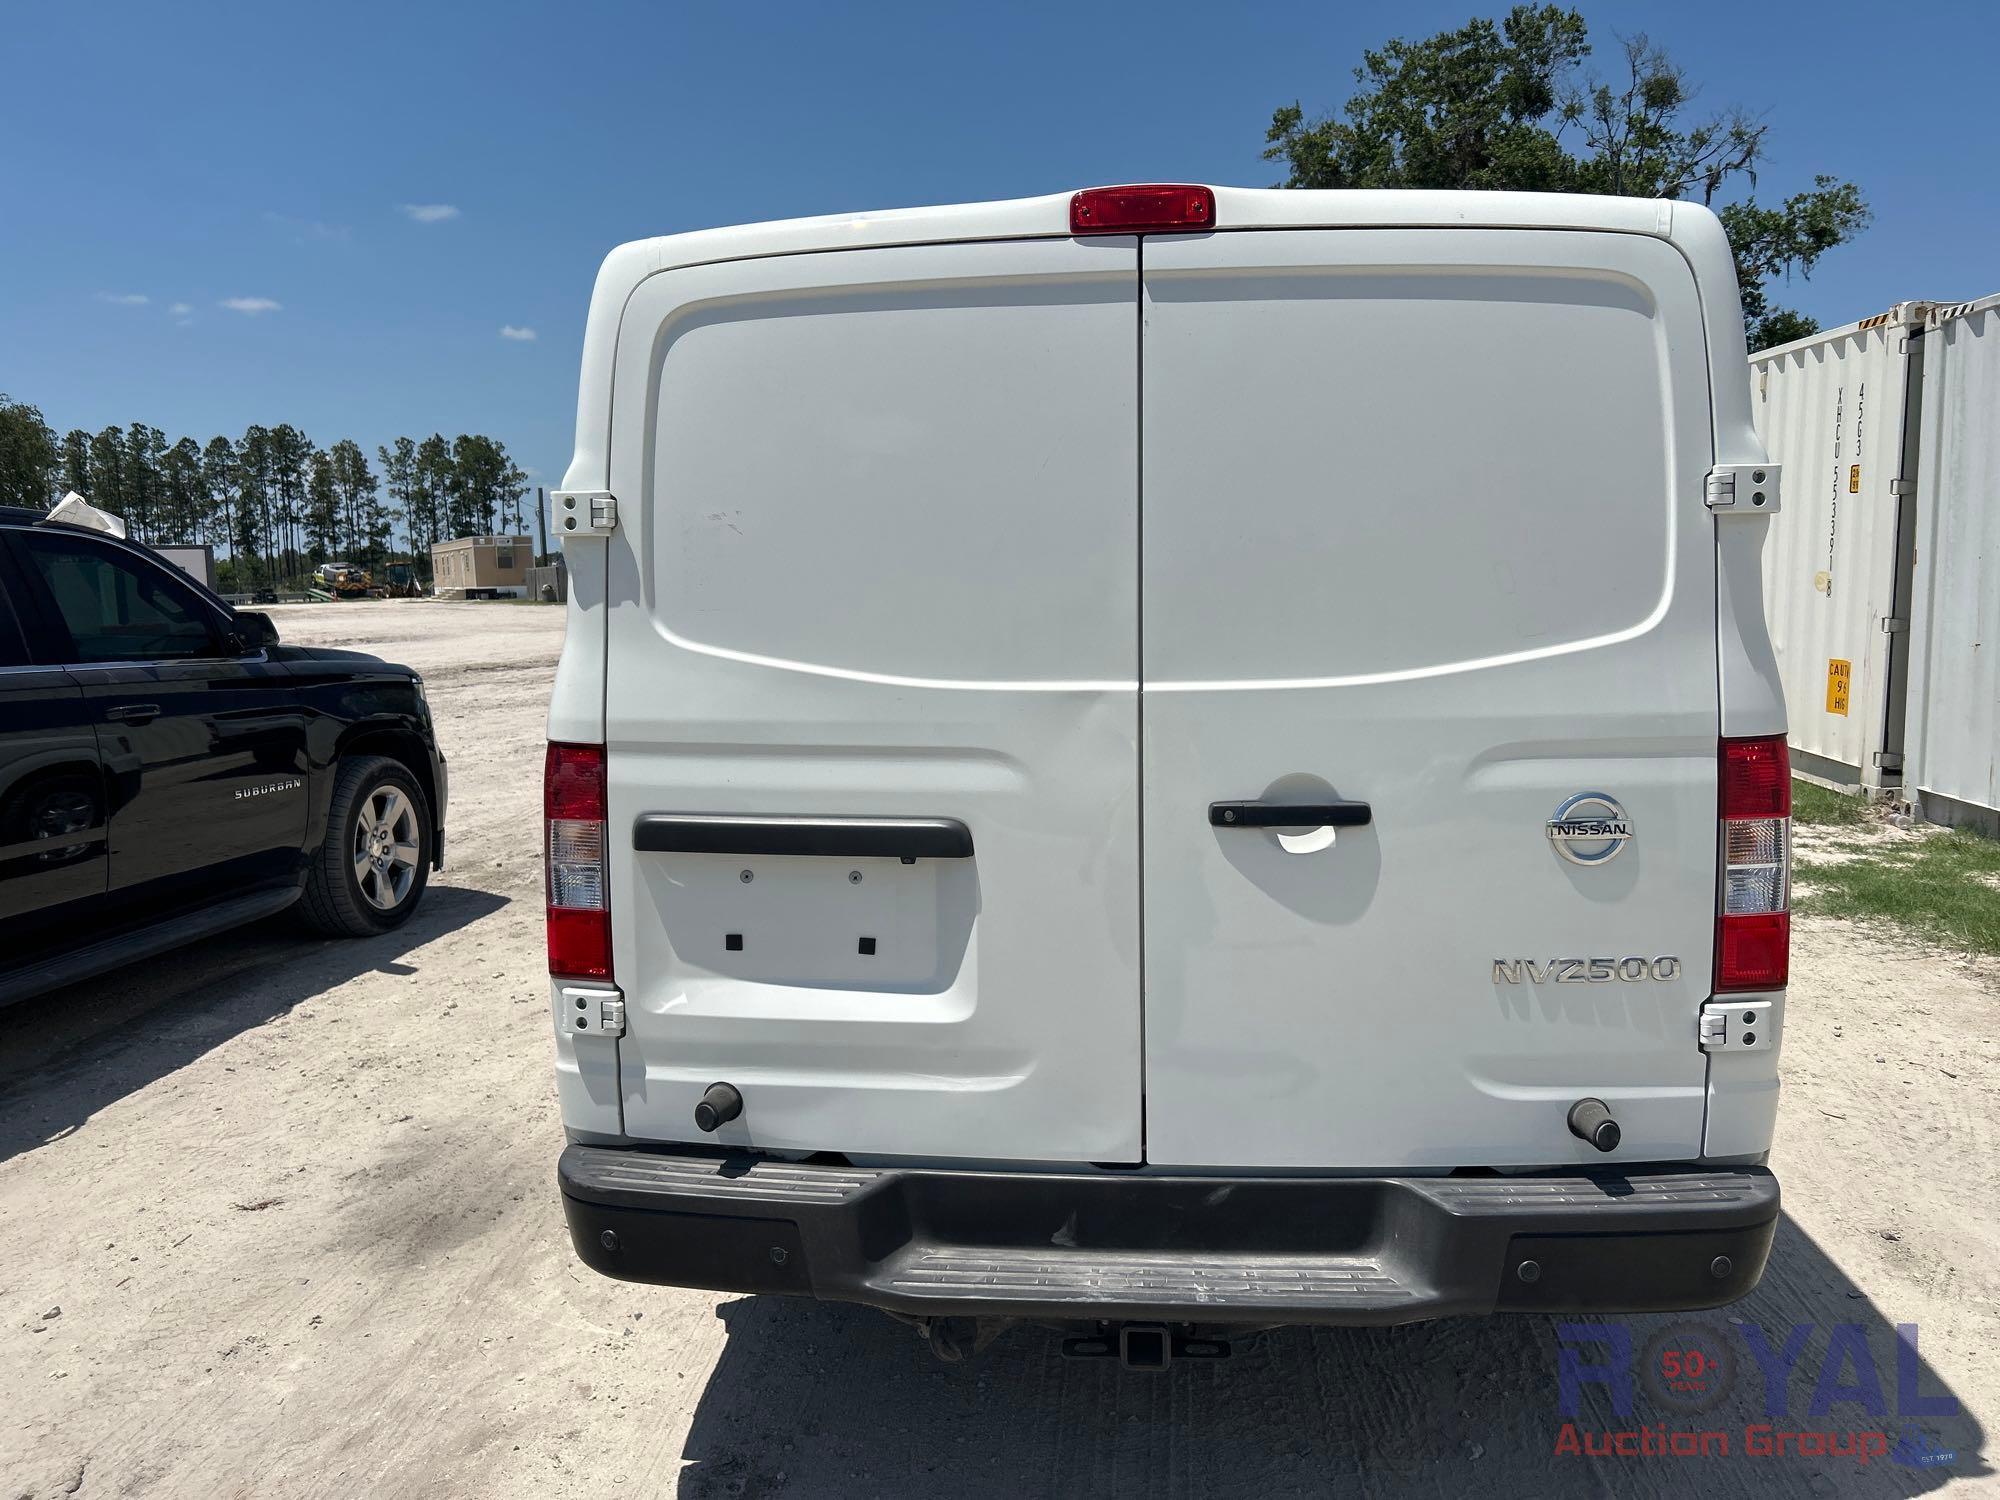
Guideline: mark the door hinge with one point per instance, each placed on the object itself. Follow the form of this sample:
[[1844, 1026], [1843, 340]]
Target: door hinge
[[1902, 487], [1744, 489], [1891, 624], [1888, 760], [585, 512], [591, 1012], [1737, 1026]]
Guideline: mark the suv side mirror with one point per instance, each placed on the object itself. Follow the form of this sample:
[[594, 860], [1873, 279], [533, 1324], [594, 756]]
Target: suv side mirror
[[255, 630]]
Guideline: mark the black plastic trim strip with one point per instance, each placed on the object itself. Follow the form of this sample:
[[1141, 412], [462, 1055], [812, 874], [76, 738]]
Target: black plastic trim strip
[[128, 947], [845, 837]]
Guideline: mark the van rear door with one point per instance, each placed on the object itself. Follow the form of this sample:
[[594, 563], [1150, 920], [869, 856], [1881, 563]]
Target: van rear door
[[876, 558], [1424, 530]]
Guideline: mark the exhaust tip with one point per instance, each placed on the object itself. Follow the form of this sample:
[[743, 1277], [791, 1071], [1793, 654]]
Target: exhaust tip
[[1590, 1120], [718, 1106]]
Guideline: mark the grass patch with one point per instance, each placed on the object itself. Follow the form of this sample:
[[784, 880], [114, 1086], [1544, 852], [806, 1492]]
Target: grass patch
[[1814, 804], [1945, 886]]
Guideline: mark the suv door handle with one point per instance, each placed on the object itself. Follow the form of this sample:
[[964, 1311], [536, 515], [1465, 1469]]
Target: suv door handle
[[133, 713], [1289, 814]]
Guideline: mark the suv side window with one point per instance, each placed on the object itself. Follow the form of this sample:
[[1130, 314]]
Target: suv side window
[[116, 608]]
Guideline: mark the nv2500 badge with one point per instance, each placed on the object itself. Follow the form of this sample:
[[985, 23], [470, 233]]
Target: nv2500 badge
[[1585, 970]]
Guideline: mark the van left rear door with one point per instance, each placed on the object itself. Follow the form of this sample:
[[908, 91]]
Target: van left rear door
[[876, 557]]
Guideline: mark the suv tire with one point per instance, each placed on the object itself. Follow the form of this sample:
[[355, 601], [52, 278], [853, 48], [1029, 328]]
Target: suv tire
[[372, 868]]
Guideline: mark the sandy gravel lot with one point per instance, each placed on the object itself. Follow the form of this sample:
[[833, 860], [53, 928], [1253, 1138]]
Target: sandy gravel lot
[[277, 1217]]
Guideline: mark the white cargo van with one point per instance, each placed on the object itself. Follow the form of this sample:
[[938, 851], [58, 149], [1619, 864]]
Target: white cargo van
[[1169, 760]]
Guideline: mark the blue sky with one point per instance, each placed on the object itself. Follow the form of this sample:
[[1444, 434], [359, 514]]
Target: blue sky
[[404, 183]]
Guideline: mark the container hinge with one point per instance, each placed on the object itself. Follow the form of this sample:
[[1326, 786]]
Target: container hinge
[[1890, 624], [585, 512], [1889, 760], [1737, 1026], [591, 1012], [1902, 487], [1743, 489]]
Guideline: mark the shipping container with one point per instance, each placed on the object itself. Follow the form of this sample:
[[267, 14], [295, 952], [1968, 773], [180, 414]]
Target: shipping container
[[1839, 411], [1953, 769]]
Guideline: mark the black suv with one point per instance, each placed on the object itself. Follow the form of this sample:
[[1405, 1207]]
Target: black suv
[[168, 769]]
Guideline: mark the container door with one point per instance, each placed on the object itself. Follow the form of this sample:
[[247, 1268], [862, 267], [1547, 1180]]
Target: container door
[[1841, 413], [877, 559], [1424, 536]]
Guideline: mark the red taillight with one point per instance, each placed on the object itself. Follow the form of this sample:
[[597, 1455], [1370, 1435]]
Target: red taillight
[[1756, 778], [1753, 931], [1141, 207], [1753, 953], [573, 782], [574, 846]]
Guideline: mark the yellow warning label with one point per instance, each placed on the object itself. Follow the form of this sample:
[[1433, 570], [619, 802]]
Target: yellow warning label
[[1854, 479], [1838, 676]]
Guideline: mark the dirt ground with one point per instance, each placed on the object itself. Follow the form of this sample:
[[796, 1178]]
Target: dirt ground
[[277, 1217]]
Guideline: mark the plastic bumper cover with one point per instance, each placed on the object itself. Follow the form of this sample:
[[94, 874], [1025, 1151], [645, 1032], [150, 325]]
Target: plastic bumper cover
[[1076, 1246]]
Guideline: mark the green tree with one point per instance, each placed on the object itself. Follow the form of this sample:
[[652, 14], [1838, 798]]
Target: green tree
[[321, 521], [487, 486], [29, 459], [399, 479], [363, 530], [76, 461], [219, 489], [430, 511], [254, 527], [183, 507], [1504, 107], [107, 471], [144, 448], [291, 454]]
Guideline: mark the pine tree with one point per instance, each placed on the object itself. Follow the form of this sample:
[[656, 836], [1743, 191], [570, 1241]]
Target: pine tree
[[76, 461], [321, 521], [291, 464], [106, 489], [182, 508], [219, 483], [399, 476], [361, 529], [254, 526]]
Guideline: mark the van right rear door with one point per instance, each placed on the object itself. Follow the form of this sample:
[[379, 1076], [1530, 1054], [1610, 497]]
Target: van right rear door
[[1424, 530]]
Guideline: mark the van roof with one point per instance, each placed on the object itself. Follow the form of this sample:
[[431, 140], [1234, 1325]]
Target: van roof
[[1236, 208]]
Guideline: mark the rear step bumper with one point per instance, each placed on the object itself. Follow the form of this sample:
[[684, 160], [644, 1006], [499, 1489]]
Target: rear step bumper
[[1073, 1246]]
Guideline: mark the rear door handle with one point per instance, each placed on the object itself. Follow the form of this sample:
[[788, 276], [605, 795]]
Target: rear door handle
[[133, 713], [1289, 814]]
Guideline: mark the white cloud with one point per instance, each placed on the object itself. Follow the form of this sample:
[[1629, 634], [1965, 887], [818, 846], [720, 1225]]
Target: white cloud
[[523, 335], [124, 299], [251, 305], [180, 309], [304, 230], [431, 213]]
